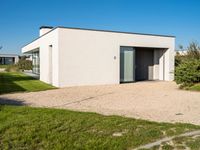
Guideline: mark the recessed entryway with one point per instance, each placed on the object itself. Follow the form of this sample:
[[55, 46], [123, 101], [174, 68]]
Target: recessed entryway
[[141, 64]]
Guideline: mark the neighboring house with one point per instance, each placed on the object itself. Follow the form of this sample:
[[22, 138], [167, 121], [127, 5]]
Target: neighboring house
[[8, 59], [72, 56], [183, 52]]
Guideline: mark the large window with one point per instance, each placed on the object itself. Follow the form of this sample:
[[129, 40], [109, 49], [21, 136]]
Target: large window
[[127, 64], [36, 62], [1, 60], [7, 60]]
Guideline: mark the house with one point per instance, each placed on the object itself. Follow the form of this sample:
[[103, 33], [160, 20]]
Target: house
[[182, 52], [64, 56], [8, 59]]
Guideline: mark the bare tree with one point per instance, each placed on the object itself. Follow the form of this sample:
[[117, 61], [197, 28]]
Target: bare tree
[[193, 50]]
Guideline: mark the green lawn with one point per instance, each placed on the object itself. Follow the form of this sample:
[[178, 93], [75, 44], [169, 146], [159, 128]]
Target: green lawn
[[23, 127], [17, 82], [195, 87], [4, 66]]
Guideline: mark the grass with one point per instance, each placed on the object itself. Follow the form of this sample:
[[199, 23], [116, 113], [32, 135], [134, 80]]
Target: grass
[[195, 87], [4, 66], [24, 127], [17, 82], [190, 142]]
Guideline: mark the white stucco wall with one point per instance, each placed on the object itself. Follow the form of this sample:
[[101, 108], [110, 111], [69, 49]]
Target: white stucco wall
[[85, 57]]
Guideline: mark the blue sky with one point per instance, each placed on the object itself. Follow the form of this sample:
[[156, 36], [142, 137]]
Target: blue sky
[[20, 19]]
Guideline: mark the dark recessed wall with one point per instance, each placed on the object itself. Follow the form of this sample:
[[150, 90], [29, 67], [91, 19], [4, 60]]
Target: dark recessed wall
[[144, 64]]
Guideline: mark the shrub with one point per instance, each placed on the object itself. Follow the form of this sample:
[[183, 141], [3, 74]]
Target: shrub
[[20, 66], [24, 64], [179, 59], [12, 68], [187, 73]]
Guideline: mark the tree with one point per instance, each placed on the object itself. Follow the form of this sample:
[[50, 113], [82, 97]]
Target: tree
[[193, 50], [181, 47]]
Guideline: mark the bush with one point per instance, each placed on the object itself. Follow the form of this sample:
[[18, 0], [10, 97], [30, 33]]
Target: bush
[[187, 67], [187, 72], [179, 59], [20, 66], [24, 64], [12, 68]]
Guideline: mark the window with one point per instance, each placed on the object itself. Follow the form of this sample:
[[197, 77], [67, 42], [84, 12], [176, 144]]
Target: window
[[36, 62]]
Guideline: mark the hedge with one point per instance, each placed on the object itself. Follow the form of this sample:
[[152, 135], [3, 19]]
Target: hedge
[[187, 72]]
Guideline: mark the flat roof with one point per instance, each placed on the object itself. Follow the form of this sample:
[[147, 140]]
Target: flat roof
[[74, 28], [114, 31], [8, 55]]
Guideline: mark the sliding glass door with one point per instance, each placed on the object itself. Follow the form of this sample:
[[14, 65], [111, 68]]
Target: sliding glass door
[[36, 62], [127, 64]]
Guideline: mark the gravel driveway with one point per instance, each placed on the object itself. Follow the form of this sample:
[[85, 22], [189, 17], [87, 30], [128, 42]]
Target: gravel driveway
[[153, 100]]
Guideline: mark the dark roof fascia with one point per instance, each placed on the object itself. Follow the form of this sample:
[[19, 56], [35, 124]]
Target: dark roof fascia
[[46, 27]]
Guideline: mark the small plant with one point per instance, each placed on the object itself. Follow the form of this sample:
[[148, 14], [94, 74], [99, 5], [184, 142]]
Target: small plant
[[12, 68]]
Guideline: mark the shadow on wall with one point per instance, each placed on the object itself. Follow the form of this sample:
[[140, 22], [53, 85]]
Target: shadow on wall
[[144, 64], [147, 63], [15, 102]]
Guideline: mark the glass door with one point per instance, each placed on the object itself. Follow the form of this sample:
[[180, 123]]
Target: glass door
[[127, 64], [36, 62]]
